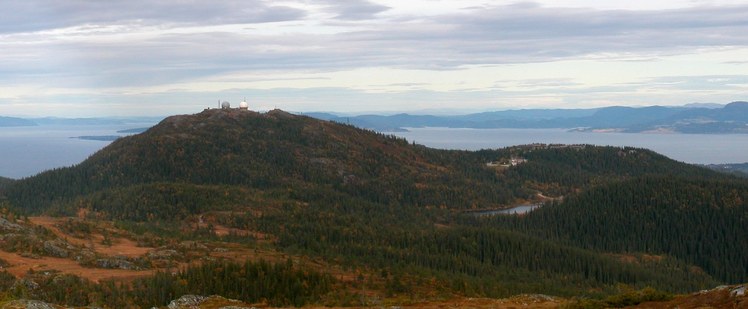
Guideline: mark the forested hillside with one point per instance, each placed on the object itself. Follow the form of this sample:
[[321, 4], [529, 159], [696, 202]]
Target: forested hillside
[[4, 182], [400, 216], [277, 149], [702, 222]]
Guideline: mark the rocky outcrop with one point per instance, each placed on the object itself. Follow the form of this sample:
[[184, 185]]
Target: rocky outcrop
[[738, 291], [214, 301], [7, 226], [187, 301], [55, 248], [117, 264], [29, 304]]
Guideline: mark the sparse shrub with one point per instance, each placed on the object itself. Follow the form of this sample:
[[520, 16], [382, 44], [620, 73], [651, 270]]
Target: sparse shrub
[[627, 297]]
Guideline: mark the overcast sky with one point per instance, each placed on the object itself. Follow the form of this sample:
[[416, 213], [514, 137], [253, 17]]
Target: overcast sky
[[81, 58]]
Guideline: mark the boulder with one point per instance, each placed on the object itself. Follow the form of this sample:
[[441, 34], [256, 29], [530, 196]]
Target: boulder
[[54, 248], [187, 301], [738, 291]]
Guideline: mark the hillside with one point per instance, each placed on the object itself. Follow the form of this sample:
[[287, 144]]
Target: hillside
[[277, 149], [4, 182], [386, 219], [684, 218], [739, 169]]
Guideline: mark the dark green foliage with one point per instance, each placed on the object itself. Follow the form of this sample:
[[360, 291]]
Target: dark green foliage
[[160, 201], [632, 297], [480, 260], [51, 286], [4, 182], [78, 228], [703, 222], [280, 284], [6, 279], [626, 298]]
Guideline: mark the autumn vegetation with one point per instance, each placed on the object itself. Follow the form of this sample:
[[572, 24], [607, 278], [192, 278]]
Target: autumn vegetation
[[365, 218]]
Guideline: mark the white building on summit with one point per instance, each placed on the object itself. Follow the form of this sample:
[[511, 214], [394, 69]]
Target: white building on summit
[[226, 105]]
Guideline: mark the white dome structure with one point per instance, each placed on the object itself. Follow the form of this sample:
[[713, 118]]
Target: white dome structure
[[225, 105], [243, 105]]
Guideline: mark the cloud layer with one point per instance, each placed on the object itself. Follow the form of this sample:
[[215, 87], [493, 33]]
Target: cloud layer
[[112, 52]]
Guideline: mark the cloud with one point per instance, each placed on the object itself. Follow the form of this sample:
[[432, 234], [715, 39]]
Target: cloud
[[531, 33], [37, 15], [701, 83], [521, 33], [88, 46], [354, 9]]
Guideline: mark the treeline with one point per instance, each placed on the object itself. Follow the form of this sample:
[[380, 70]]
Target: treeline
[[160, 201], [279, 284], [703, 222]]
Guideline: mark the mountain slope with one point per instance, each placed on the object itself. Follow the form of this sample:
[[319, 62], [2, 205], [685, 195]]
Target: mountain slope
[[699, 221], [270, 150], [4, 182], [280, 150], [367, 201]]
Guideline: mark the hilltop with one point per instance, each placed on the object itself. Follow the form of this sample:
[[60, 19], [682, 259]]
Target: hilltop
[[372, 218]]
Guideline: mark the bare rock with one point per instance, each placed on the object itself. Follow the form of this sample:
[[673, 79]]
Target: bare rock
[[26, 284], [163, 254], [55, 248], [187, 302], [738, 291], [116, 264], [192, 245], [7, 226], [28, 304]]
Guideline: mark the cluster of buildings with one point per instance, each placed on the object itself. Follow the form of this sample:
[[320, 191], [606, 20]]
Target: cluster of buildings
[[513, 161], [539, 146], [226, 105]]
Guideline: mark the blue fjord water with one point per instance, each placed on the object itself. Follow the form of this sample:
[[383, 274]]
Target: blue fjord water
[[689, 148], [26, 151]]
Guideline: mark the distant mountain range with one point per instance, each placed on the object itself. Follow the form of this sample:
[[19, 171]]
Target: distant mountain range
[[692, 118], [697, 118], [15, 122], [48, 121]]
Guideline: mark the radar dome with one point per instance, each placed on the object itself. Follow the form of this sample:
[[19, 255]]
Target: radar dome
[[243, 105], [225, 105]]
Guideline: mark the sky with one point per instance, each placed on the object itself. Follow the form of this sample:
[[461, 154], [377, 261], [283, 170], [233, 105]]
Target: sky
[[87, 58]]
